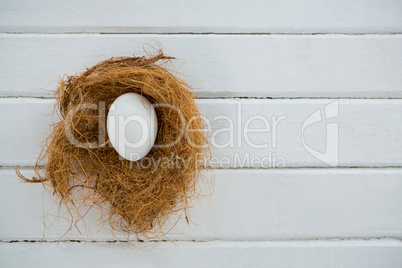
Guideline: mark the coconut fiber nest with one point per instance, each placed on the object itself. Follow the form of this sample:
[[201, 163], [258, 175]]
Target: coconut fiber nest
[[138, 198]]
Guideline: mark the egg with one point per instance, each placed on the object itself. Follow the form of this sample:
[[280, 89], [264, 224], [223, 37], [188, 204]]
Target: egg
[[132, 126]]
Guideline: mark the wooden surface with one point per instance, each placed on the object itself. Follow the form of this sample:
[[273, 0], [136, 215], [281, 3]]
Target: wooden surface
[[270, 58], [276, 66], [255, 16], [286, 204], [369, 131], [353, 254]]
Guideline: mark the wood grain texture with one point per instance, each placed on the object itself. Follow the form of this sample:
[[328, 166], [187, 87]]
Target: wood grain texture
[[263, 217], [245, 205], [369, 132], [362, 66], [255, 16], [354, 254]]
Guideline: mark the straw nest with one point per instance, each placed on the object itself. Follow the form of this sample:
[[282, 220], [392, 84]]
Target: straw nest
[[84, 170]]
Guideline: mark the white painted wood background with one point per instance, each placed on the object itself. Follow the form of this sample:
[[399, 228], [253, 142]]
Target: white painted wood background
[[273, 58]]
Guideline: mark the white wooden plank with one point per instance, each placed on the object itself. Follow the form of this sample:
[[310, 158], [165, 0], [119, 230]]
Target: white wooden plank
[[356, 254], [363, 66], [370, 133], [246, 205], [256, 16]]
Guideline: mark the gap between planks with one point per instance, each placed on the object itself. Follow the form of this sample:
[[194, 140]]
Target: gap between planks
[[235, 98], [197, 33], [344, 168], [333, 240]]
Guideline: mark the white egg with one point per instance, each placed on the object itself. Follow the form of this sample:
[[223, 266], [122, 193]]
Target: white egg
[[132, 126]]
